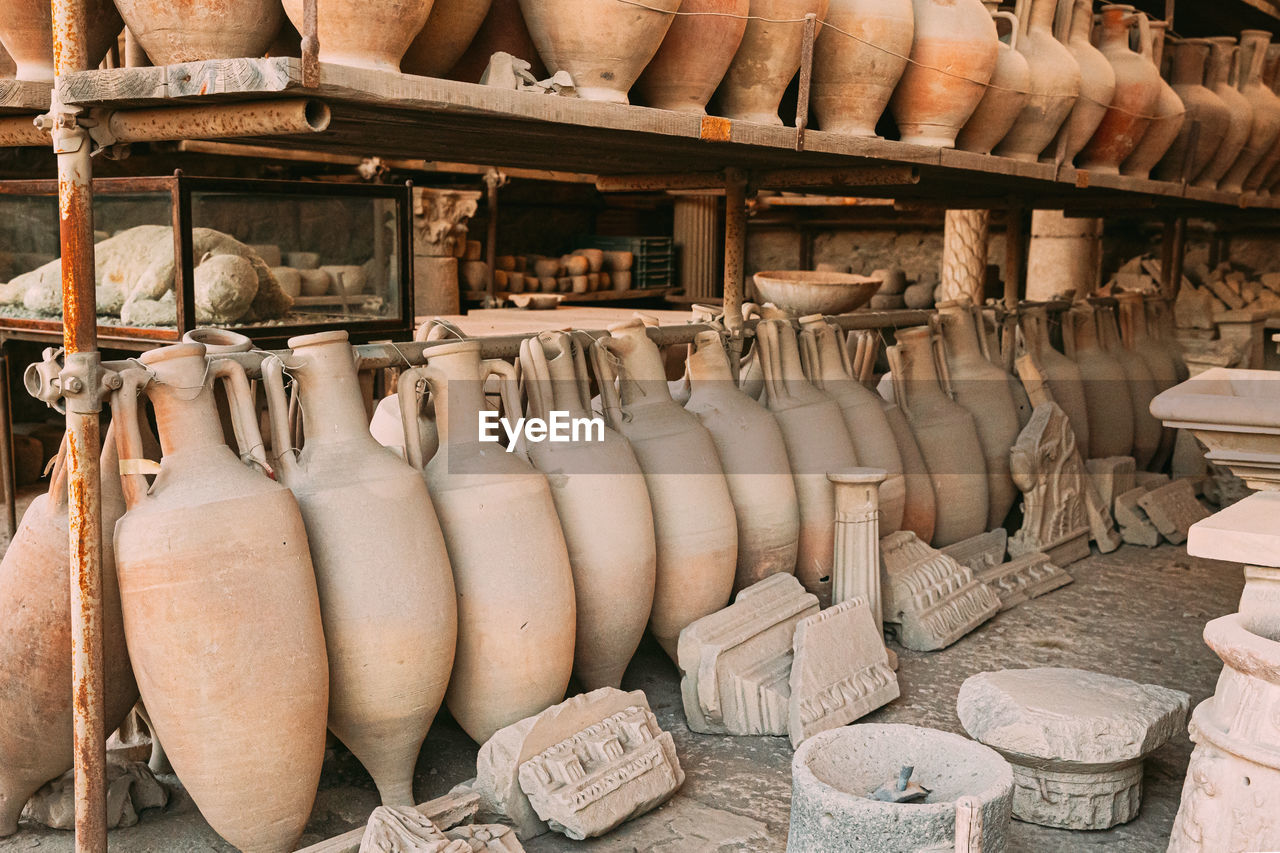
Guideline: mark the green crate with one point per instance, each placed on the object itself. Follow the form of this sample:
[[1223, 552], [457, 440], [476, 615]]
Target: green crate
[[655, 258]]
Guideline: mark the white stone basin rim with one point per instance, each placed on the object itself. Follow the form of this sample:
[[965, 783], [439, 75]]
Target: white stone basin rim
[[1223, 400]]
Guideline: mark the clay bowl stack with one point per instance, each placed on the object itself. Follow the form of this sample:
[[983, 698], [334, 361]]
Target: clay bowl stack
[[803, 292]]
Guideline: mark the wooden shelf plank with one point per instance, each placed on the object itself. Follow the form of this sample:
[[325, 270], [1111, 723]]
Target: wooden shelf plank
[[22, 96]]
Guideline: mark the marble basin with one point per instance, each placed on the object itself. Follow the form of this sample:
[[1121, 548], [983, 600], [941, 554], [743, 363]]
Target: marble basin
[[803, 292]]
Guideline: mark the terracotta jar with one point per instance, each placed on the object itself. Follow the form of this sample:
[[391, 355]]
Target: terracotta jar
[[503, 30], [1161, 327], [445, 37], [220, 606], [1055, 86], [826, 365], [817, 440], [853, 78], [26, 31], [1097, 81], [1259, 175], [172, 31], [364, 33], [1142, 387], [383, 573], [754, 455], [603, 505], [1265, 129], [1170, 120], [983, 389], [1008, 93], [35, 645], [947, 435], [693, 515], [1224, 66], [1106, 391], [1134, 101], [920, 509], [1207, 116], [767, 59], [516, 612], [694, 56], [1137, 337], [1065, 382], [603, 46]]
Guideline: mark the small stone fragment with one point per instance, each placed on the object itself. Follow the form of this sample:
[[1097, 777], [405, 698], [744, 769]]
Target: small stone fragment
[[487, 838], [131, 788], [404, 829], [980, 552], [933, 599], [1135, 527], [1173, 508], [1112, 476], [1023, 578]]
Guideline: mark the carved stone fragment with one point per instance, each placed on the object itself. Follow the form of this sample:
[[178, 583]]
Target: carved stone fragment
[[440, 220], [1047, 468], [736, 661], [1135, 527], [1173, 508], [1112, 476], [840, 670], [487, 838], [1023, 578], [981, 552], [933, 599], [404, 829]]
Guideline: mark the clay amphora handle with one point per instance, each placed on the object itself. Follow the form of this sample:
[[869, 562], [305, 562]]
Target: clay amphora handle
[[535, 376], [244, 410], [124, 414], [1144, 37], [1012, 18], [938, 351], [606, 379], [898, 367], [278, 417], [407, 390], [767, 347], [810, 357], [508, 390], [572, 340]]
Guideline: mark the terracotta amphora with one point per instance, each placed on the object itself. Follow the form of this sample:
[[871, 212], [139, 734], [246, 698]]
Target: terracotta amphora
[[694, 56], [767, 59], [386, 591], [26, 31], [693, 514], [1207, 115], [1161, 327], [1265, 129], [1097, 82], [1141, 385], [854, 75], [947, 435], [220, 606], [1137, 90], [516, 611], [172, 31], [983, 389], [503, 31], [445, 37], [1137, 337], [826, 365], [603, 505], [920, 509], [1106, 391], [817, 440], [364, 33], [603, 46], [959, 38], [35, 645], [1170, 116], [1224, 67], [1009, 90], [1055, 85], [1061, 373], [1260, 174]]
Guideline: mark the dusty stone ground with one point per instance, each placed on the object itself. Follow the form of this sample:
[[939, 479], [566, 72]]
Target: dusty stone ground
[[1135, 613]]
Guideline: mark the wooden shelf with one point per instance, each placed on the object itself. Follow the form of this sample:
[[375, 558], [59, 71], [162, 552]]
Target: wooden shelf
[[400, 115], [19, 97]]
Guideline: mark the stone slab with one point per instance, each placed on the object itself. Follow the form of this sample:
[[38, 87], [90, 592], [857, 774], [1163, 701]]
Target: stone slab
[[1112, 476], [980, 552], [1173, 508], [933, 599], [840, 670], [1135, 527], [1023, 578], [1245, 532]]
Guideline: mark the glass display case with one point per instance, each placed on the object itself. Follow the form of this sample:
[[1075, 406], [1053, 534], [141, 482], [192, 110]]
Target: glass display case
[[270, 259]]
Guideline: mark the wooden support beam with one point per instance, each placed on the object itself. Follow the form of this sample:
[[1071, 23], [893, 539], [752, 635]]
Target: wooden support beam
[[1015, 255]]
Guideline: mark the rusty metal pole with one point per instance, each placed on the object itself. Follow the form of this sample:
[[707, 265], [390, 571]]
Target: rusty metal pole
[[735, 250], [1015, 254], [80, 381], [6, 448], [492, 180]]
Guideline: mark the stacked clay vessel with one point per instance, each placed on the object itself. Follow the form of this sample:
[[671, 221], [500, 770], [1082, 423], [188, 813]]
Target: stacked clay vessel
[[1106, 391], [1097, 82], [1265, 129], [767, 59], [1224, 65], [1136, 92], [1004, 99], [444, 38], [857, 61], [1170, 115], [1054, 86], [1207, 115], [364, 33], [694, 56], [26, 31]]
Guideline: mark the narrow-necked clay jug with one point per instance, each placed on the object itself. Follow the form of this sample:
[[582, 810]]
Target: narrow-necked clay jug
[[983, 389], [693, 515], [172, 31], [1097, 81], [947, 435], [1259, 176], [603, 46], [220, 607], [1141, 385], [1207, 116], [1055, 85], [1170, 112], [767, 59], [364, 33], [1137, 90], [1161, 326], [694, 56], [1137, 337], [1009, 89], [920, 509], [386, 591], [1265, 129], [854, 76], [1106, 390], [826, 364], [1062, 374], [813, 428], [503, 31], [35, 645], [26, 31], [450, 28], [1224, 66], [603, 505], [754, 455], [516, 612]]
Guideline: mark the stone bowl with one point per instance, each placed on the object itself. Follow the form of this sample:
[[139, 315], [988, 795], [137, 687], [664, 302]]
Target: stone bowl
[[834, 772], [802, 292]]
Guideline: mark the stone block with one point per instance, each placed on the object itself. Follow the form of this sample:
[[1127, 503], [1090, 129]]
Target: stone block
[[1173, 508], [1112, 476], [1076, 739], [840, 670], [933, 599], [736, 661], [1023, 578], [1151, 479], [981, 552], [1135, 527], [486, 838]]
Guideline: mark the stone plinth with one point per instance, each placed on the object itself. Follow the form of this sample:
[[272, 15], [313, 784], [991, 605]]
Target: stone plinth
[[856, 573]]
